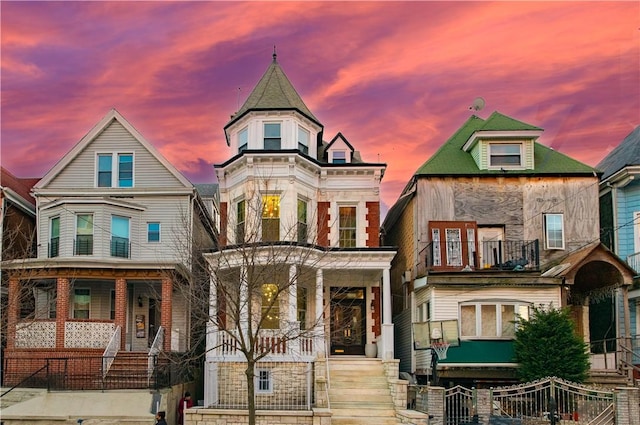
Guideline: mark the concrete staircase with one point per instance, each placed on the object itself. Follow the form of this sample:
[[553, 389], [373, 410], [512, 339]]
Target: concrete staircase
[[359, 393]]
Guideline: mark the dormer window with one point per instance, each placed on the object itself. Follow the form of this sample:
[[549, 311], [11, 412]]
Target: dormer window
[[505, 155], [243, 139], [272, 136], [303, 140], [339, 157]]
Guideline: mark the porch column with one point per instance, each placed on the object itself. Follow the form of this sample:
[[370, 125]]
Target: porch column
[[121, 310], [62, 309], [319, 317], [165, 312], [12, 311], [243, 308], [293, 295], [387, 325], [212, 323]]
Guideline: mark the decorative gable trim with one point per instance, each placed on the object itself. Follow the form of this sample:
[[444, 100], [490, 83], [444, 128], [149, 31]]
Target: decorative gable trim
[[86, 141]]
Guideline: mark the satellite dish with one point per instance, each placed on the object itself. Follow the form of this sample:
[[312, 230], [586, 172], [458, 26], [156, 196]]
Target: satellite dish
[[477, 104]]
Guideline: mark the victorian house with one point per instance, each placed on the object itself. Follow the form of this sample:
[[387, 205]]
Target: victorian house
[[491, 225], [620, 231], [299, 273], [115, 223]]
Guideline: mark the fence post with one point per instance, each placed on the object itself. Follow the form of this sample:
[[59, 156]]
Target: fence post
[[627, 404], [436, 405], [484, 405]]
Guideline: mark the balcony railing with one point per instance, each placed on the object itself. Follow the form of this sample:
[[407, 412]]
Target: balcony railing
[[633, 261], [273, 342], [120, 247], [490, 255], [54, 247], [83, 245]]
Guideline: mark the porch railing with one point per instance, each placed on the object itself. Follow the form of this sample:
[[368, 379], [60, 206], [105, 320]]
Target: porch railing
[[490, 255], [270, 341], [619, 355], [154, 350], [111, 351], [633, 261]]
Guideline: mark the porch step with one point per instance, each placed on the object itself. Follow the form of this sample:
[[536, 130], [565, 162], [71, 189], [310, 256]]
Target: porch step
[[359, 393], [608, 378], [131, 368]]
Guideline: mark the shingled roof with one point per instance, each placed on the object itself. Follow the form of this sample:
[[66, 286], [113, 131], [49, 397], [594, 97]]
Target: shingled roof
[[450, 159], [21, 186], [274, 91], [626, 154]]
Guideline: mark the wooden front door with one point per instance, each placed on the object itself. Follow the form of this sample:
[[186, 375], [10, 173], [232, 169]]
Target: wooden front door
[[348, 321]]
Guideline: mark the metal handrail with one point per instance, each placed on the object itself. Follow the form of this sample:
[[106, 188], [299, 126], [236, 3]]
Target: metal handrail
[[46, 366], [111, 351], [154, 350]]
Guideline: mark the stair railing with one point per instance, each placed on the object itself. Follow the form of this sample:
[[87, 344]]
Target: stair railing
[[627, 362], [154, 350], [111, 351]]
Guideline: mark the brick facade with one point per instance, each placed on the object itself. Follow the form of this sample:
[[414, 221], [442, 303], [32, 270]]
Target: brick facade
[[323, 223], [373, 224]]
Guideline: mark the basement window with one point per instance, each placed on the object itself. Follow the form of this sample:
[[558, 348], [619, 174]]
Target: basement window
[[264, 381]]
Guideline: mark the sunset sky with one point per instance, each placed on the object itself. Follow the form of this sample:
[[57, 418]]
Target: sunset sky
[[396, 78]]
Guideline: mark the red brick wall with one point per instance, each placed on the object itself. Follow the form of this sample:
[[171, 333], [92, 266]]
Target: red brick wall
[[165, 312], [375, 314], [323, 223], [62, 310], [373, 226], [121, 309]]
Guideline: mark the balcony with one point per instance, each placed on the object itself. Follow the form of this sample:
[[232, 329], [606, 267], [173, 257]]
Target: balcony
[[481, 256], [83, 245], [54, 247], [120, 247], [633, 261]]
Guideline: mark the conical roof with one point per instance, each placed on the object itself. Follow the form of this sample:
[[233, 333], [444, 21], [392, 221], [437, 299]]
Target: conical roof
[[274, 91]]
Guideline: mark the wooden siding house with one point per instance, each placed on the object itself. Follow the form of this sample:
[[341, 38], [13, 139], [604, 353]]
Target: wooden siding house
[[299, 217], [620, 231], [491, 225], [113, 216]]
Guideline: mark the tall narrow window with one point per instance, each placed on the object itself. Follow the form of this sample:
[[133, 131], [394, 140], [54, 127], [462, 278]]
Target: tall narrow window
[[125, 170], [240, 221], [270, 307], [435, 240], [104, 170], [119, 236], [347, 227], [271, 218], [303, 140], [454, 247], [54, 242], [153, 232], [84, 234], [264, 384], [554, 231], [81, 303], [302, 221], [302, 307], [243, 139], [272, 136], [112, 303]]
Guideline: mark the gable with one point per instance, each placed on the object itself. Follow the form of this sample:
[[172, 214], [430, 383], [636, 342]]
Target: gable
[[113, 136]]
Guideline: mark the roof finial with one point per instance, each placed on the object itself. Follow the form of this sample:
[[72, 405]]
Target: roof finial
[[275, 55]]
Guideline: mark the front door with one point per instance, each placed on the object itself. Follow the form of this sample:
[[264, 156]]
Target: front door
[[348, 321]]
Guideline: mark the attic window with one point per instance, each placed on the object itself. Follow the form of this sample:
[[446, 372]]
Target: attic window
[[339, 157], [272, 136], [243, 139], [505, 155], [303, 140]]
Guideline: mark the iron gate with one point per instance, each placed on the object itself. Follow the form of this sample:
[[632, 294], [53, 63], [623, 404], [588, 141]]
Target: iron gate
[[533, 403]]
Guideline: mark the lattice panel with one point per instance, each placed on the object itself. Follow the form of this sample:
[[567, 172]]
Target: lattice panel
[[87, 334], [36, 335]]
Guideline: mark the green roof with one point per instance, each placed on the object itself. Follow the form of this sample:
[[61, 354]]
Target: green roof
[[274, 91], [450, 159]]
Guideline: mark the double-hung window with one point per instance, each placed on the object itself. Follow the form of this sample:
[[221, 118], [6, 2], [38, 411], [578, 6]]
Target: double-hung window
[[505, 155], [123, 166], [243, 139], [302, 221], [54, 242], [347, 227], [339, 157], [81, 303], [105, 170], [553, 231], [272, 136], [84, 234], [303, 140], [270, 218], [120, 236], [153, 232], [125, 170], [240, 221]]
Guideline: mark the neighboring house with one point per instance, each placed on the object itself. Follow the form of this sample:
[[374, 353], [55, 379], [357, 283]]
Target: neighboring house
[[17, 229], [620, 224], [114, 219], [492, 224], [314, 208]]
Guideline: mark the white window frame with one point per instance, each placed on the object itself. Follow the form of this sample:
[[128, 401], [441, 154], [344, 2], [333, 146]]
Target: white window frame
[[97, 176], [423, 311], [266, 378], [303, 145], [115, 169], [264, 134], [73, 305], [339, 157], [518, 306], [149, 223], [243, 139], [354, 228], [491, 155], [115, 217], [547, 238], [76, 234]]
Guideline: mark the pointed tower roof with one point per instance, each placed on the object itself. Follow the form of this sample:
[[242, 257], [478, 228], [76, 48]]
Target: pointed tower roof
[[274, 91]]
